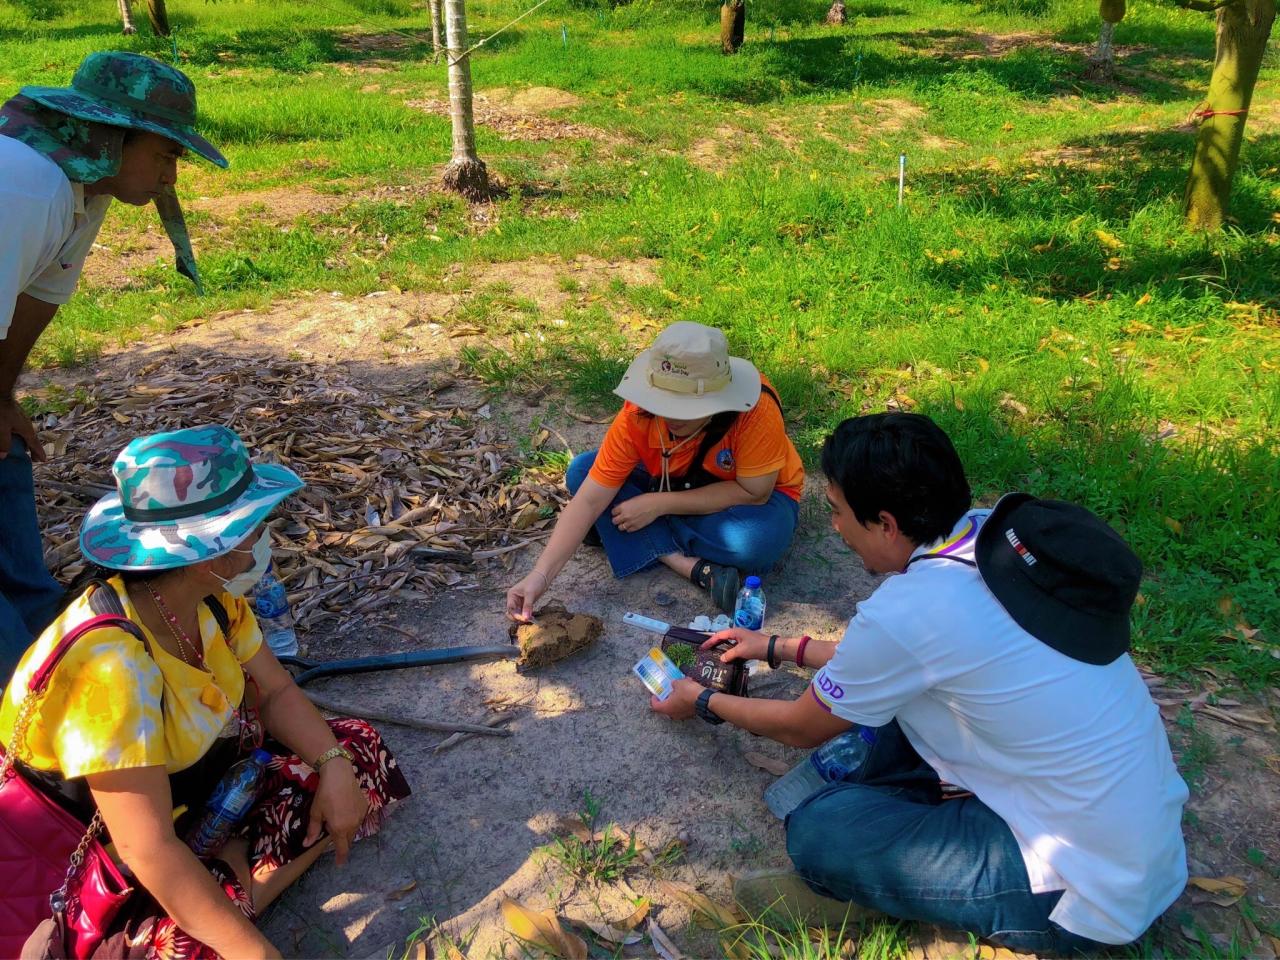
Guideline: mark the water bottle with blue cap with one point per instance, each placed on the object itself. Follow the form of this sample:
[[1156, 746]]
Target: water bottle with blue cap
[[230, 801], [832, 762], [749, 611]]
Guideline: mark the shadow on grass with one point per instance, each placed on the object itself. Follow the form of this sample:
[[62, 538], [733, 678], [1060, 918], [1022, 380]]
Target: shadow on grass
[[37, 32], [1110, 177], [300, 50], [840, 62]]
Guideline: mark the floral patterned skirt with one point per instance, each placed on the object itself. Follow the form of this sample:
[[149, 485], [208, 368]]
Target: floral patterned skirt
[[275, 829]]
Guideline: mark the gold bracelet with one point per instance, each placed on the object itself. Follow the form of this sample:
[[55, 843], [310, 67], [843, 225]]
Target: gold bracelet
[[337, 750]]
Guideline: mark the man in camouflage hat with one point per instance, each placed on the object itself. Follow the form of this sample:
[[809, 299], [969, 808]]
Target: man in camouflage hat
[[116, 133]]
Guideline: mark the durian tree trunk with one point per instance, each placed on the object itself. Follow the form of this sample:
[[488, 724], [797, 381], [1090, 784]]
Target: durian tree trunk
[[437, 27], [466, 173], [836, 15], [126, 19], [733, 25], [1243, 30], [1103, 62], [158, 16]]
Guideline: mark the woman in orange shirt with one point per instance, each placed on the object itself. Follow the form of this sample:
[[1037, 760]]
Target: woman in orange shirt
[[696, 472]]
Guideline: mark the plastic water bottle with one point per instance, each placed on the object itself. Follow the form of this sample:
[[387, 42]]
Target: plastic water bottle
[[830, 763], [227, 806], [749, 611], [274, 616]]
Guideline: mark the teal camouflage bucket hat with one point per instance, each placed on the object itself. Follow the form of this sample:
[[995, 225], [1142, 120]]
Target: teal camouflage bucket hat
[[129, 90], [182, 497]]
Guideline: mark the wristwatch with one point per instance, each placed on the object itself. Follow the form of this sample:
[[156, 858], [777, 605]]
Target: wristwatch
[[335, 751], [703, 709]]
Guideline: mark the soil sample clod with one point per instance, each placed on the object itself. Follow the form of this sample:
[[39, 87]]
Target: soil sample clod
[[554, 635]]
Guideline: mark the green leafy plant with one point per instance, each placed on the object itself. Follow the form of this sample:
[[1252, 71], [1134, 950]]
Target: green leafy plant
[[682, 655], [591, 854]]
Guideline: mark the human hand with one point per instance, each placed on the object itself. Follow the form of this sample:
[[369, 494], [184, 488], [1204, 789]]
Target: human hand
[[637, 513], [522, 597], [681, 701], [747, 644], [339, 807], [15, 422]]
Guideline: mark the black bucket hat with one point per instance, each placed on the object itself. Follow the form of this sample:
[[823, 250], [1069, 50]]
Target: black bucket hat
[[1064, 576]]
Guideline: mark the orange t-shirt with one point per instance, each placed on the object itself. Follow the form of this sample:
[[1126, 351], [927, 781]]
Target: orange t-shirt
[[754, 446]]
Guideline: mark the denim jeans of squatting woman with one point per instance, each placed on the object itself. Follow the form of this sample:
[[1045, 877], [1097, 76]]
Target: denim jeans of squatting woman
[[750, 538], [883, 838], [29, 596]]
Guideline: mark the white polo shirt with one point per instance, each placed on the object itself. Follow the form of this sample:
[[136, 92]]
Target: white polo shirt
[[1073, 757], [46, 228]]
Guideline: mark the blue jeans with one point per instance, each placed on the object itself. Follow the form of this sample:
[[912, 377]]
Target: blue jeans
[[29, 596], [750, 538], [886, 840]]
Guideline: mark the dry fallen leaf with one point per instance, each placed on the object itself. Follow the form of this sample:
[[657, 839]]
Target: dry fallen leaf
[[1256, 945], [575, 828], [611, 934], [636, 918], [1250, 719], [402, 892], [446, 949], [662, 944], [436, 478], [706, 912], [1223, 891], [542, 930], [734, 948], [774, 766]]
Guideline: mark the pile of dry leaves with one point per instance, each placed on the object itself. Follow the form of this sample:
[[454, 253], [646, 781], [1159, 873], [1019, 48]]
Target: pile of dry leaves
[[403, 496]]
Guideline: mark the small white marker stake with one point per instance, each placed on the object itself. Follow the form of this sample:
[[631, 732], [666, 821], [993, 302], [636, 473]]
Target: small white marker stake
[[902, 175]]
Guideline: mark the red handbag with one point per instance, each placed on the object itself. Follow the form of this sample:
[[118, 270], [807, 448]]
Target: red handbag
[[51, 865]]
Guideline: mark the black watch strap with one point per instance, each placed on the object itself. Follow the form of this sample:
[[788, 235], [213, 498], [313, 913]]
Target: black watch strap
[[703, 707]]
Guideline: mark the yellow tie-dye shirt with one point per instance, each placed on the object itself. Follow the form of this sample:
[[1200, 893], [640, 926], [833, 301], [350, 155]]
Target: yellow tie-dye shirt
[[103, 708]]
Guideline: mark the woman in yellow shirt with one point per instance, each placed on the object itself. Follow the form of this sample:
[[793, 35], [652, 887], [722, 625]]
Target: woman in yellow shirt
[[140, 726]]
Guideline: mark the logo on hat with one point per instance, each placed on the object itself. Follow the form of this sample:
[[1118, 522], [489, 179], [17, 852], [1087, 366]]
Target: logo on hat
[[1027, 556]]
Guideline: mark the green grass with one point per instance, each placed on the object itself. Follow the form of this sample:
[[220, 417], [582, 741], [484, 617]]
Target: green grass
[[768, 940], [603, 859], [1196, 749], [1056, 319]]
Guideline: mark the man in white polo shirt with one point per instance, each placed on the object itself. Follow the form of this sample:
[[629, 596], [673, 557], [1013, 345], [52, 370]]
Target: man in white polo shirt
[[995, 661], [116, 133]]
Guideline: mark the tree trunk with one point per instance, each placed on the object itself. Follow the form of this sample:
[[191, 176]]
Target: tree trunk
[[1243, 29], [437, 28], [836, 15], [126, 19], [466, 173], [733, 25], [158, 16], [1102, 65]]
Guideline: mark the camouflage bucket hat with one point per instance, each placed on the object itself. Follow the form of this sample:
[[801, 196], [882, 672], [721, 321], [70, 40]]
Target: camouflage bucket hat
[[182, 497], [129, 90]]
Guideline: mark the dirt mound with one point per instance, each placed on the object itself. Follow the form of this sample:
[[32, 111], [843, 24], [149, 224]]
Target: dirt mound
[[721, 148], [534, 99]]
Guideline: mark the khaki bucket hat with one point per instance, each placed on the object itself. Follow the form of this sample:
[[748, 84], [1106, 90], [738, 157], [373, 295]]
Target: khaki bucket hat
[[688, 374]]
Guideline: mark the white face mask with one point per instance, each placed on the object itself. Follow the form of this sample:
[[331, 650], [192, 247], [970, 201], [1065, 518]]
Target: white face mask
[[242, 583]]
